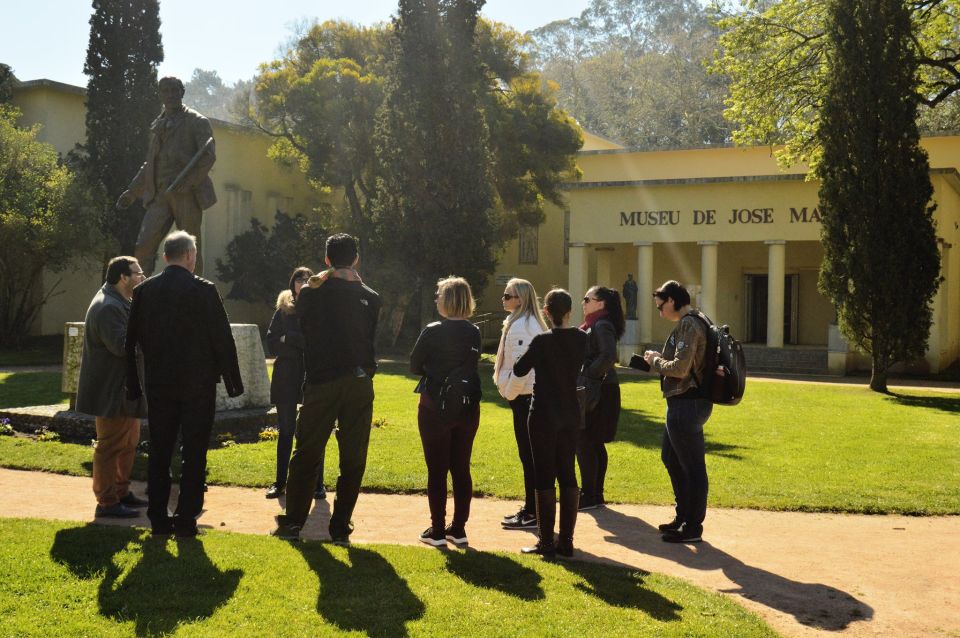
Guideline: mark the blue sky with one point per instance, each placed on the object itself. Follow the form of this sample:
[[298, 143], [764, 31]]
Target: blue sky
[[48, 38]]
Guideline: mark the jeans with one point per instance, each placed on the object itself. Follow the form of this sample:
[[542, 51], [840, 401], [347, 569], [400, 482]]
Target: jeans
[[684, 455]]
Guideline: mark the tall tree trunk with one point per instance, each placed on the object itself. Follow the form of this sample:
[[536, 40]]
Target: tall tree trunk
[[878, 375]]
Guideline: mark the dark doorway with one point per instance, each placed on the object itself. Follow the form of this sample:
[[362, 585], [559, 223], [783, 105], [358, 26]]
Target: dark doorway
[[756, 295]]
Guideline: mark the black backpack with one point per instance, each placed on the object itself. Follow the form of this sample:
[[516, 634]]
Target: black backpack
[[459, 392], [725, 352]]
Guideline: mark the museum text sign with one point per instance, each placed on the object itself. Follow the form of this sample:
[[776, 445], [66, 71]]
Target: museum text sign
[[712, 216]]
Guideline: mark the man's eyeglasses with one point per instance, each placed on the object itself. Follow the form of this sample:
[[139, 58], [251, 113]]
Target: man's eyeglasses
[[507, 296], [660, 306]]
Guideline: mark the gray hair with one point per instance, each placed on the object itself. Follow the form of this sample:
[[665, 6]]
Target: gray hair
[[178, 244]]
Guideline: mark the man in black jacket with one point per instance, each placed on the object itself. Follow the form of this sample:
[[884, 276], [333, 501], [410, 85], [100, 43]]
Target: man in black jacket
[[179, 322], [338, 320]]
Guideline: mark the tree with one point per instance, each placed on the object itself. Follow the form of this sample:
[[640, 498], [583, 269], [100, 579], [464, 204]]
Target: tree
[[634, 70], [320, 101], [122, 100], [435, 168], [778, 58], [260, 257], [881, 266], [43, 224], [6, 83], [207, 93]]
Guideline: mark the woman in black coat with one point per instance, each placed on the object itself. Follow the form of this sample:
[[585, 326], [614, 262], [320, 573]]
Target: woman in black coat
[[286, 387], [555, 422], [604, 324], [446, 347]]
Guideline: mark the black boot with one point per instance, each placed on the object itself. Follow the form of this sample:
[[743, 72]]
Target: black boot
[[569, 502], [546, 515]]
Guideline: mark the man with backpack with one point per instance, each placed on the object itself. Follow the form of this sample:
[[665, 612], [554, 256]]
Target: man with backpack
[[682, 366]]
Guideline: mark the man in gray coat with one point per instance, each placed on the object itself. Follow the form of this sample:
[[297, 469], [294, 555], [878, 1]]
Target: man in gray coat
[[101, 390]]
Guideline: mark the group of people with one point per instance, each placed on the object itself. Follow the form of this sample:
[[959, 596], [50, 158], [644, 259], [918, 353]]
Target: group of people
[[171, 330]]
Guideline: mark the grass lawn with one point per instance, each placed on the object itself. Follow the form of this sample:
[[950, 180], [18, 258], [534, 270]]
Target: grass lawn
[[788, 446], [19, 389], [61, 579]]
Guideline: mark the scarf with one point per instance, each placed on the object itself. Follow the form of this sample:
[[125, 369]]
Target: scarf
[[593, 318]]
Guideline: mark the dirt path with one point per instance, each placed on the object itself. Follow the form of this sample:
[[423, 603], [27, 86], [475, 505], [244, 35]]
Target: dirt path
[[806, 574]]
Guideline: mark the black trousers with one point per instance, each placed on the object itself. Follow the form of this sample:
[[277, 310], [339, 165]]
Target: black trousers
[[189, 412], [447, 449], [554, 455], [521, 413]]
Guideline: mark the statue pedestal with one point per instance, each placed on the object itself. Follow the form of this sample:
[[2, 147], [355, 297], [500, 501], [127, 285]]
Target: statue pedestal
[[253, 366], [629, 342], [253, 371]]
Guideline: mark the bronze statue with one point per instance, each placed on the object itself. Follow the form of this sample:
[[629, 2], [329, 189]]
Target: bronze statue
[[630, 296], [173, 181]]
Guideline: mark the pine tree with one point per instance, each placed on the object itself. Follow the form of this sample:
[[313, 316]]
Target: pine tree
[[122, 99], [881, 266], [437, 208]]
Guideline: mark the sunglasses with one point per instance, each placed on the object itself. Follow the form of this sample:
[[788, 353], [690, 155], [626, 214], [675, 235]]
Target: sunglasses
[[507, 296]]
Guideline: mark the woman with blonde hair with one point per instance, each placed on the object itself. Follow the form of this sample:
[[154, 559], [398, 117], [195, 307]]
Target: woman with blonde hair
[[286, 386], [519, 328], [448, 348]]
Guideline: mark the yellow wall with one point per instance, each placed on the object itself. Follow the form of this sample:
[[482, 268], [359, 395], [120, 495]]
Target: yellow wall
[[609, 209], [59, 109]]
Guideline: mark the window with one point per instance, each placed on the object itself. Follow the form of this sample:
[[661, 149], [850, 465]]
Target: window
[[239, 210], [529, 240]]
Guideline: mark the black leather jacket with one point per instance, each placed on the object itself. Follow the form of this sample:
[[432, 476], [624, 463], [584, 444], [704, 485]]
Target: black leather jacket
[[602, 357], [441, 347]]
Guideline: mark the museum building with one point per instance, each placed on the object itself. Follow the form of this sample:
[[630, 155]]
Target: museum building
[[741, 233]]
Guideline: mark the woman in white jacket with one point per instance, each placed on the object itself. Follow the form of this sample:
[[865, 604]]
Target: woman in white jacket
[[519, 328]]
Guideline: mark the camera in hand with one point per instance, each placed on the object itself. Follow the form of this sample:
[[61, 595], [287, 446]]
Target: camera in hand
[[637, 362]]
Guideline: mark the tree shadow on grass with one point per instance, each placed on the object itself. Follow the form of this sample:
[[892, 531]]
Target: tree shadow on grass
[[623, 587], [946, 403], [492, 571], [640, 429], [361, 591], [161, 591], [812, 604]]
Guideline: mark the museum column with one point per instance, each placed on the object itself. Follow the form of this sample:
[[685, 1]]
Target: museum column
[[577, 279], [708, 278], [939, 339], [645, 289], [776, 272]]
